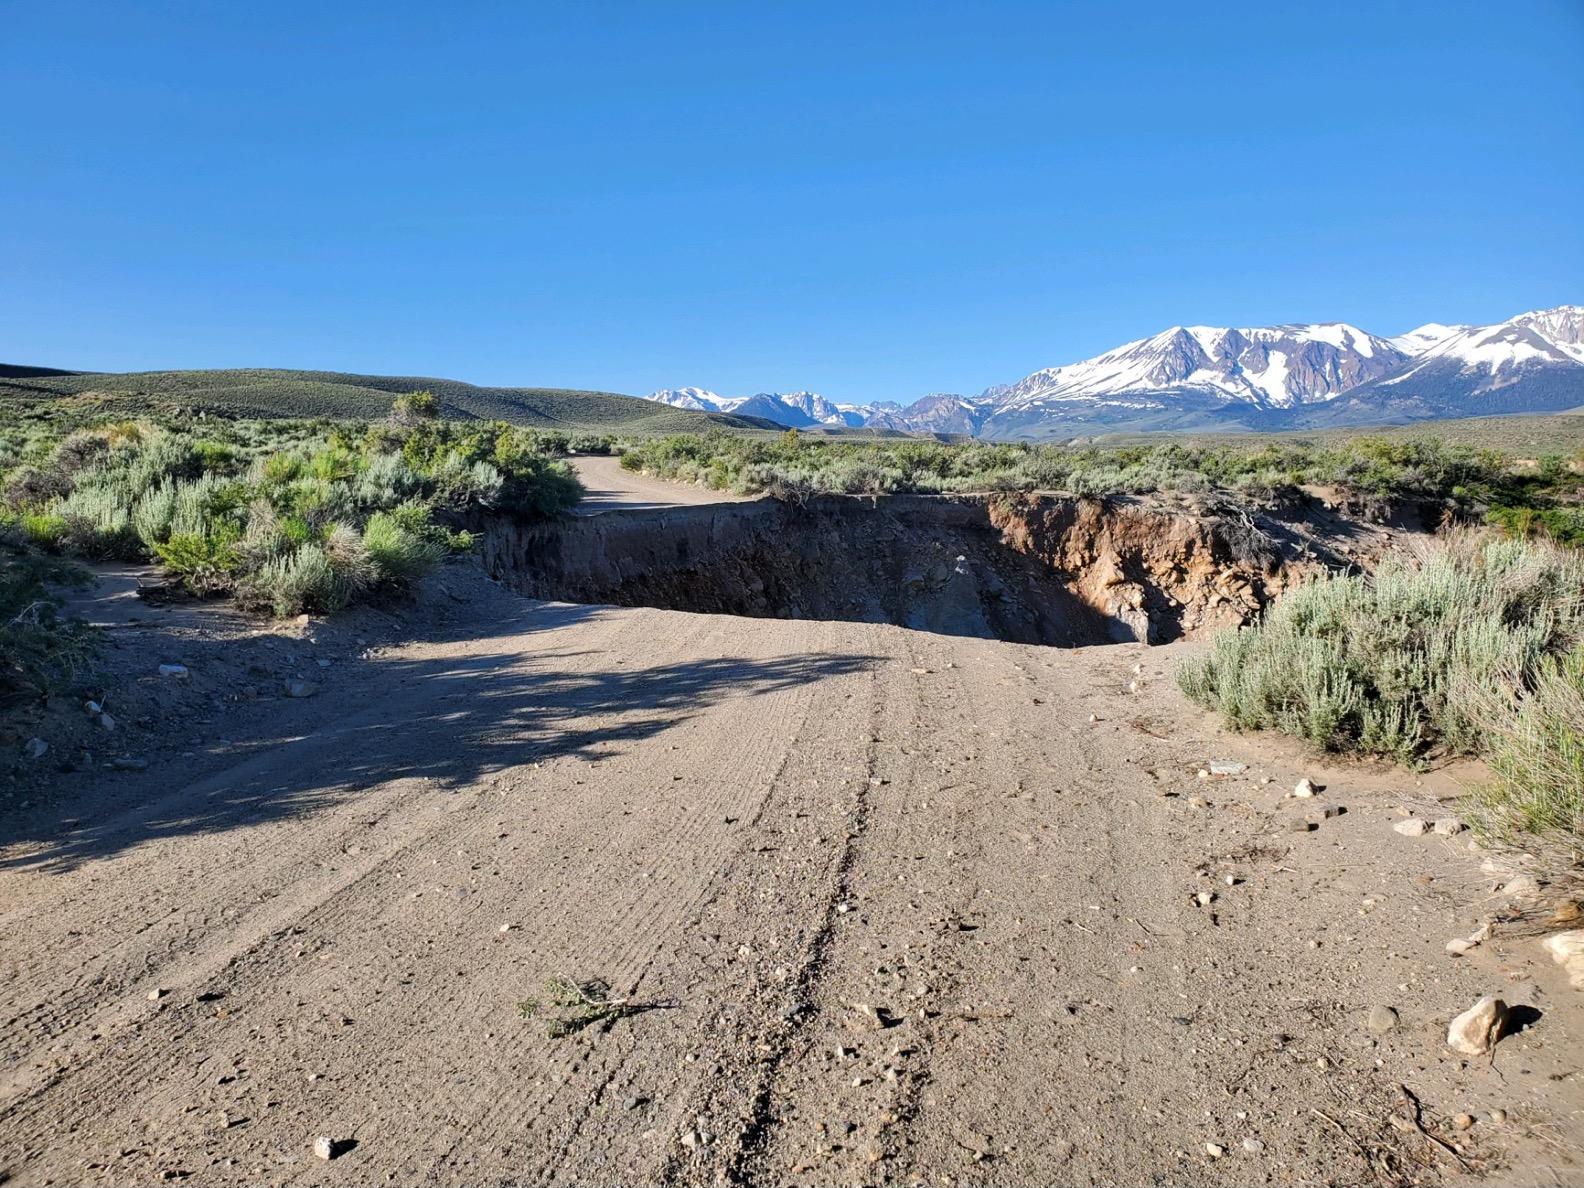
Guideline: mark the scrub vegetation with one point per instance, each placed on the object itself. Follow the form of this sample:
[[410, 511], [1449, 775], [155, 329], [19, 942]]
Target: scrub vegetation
[[288, 516], [1478, 650], [1541, 499]]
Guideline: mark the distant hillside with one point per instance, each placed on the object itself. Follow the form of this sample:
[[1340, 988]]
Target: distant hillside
[[269, 393]]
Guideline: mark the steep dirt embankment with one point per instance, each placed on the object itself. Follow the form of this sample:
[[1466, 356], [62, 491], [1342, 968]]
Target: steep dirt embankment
[[1163, 574], [1043, 569]]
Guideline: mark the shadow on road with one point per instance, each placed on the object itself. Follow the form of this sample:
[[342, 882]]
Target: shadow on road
[[450, 720]]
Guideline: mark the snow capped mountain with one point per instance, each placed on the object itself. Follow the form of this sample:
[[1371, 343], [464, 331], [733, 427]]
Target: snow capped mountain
[[1270, 367], [1416, 342], [796, 410], [694, 399], [1562, 327], [1261, 377]]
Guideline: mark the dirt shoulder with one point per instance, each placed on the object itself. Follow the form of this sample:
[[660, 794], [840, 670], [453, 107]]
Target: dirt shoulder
[[911, 908]]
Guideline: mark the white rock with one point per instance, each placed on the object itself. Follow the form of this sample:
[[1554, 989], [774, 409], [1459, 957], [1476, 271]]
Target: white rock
[[1214, 1150], [1304, 788], [1227, 767], [1567, 950], [1476, 1029], [1524, 886], [324, 1147], [1457, 946], [107, 721], [1204, 898], [1413, 827], [35, 748], [1252, 1145], [1447, 826]]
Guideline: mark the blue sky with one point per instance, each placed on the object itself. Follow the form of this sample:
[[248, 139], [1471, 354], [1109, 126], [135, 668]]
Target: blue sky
[[872, 200]]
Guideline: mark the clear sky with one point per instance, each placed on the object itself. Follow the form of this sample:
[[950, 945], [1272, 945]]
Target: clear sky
[[872, 200]]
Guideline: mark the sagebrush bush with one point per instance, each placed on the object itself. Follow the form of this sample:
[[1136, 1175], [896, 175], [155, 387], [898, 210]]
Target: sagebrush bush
[[233, 509], [1536, 755], [1387, 664]]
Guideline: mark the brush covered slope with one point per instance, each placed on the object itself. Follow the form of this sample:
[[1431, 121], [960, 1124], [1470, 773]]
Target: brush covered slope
[[265, 393]]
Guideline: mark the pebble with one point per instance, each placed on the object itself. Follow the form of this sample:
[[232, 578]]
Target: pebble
[[1324, 812], [1304, 788], [297, 688], [108, 722], [1204, 898], [156, 994], [1449, 826], [1227, 767], [1214, 1150], [129, 764], [1252, 1145], [1463, 1121], [179, 671], [1412, 827], [1498, 1117], [35, 748], [1300, 826], [324, 1147], [1458, 945]]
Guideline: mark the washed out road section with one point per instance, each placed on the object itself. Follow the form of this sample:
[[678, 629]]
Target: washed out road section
[[901, 906]]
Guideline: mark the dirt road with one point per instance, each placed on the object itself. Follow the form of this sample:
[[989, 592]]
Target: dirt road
[[608, 486], [908, 909]]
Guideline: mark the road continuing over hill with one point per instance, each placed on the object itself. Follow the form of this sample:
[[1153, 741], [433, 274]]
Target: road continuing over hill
[[609, 488], [897, 908]]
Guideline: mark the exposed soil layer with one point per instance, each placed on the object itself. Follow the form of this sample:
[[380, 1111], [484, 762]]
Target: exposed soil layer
[[1042, 569]]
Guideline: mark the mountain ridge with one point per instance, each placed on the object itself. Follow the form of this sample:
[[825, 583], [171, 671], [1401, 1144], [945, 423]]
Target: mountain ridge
[[1293, 375]]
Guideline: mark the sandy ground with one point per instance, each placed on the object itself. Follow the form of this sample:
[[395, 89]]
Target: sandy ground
[[608, 486], [901, 908]]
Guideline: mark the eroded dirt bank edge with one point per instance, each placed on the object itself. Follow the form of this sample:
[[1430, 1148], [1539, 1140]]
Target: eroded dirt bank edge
[[1028, 568]]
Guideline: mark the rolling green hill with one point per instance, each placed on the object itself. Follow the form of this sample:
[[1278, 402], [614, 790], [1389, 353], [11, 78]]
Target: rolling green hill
[[270, 393]]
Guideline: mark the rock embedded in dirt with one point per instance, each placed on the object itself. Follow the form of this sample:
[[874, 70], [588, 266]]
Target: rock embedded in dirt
[[1458, 945], [128, 764], [1567, 950], [1449, 826], [1304, 788], [297, 688], [35, 748], [1412, 827], [1381, 1020], [1324, 812], [1477, 1029], [1252, 1145], [1524, 886], [1227, 767], [107, 721], [177, 671]]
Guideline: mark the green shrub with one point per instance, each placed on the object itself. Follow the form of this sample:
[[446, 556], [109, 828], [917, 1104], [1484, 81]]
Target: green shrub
[[1386, 664], [297, 583], [400, 550], [413, 407], [206, 564], [1537, 763], [39, 650]]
